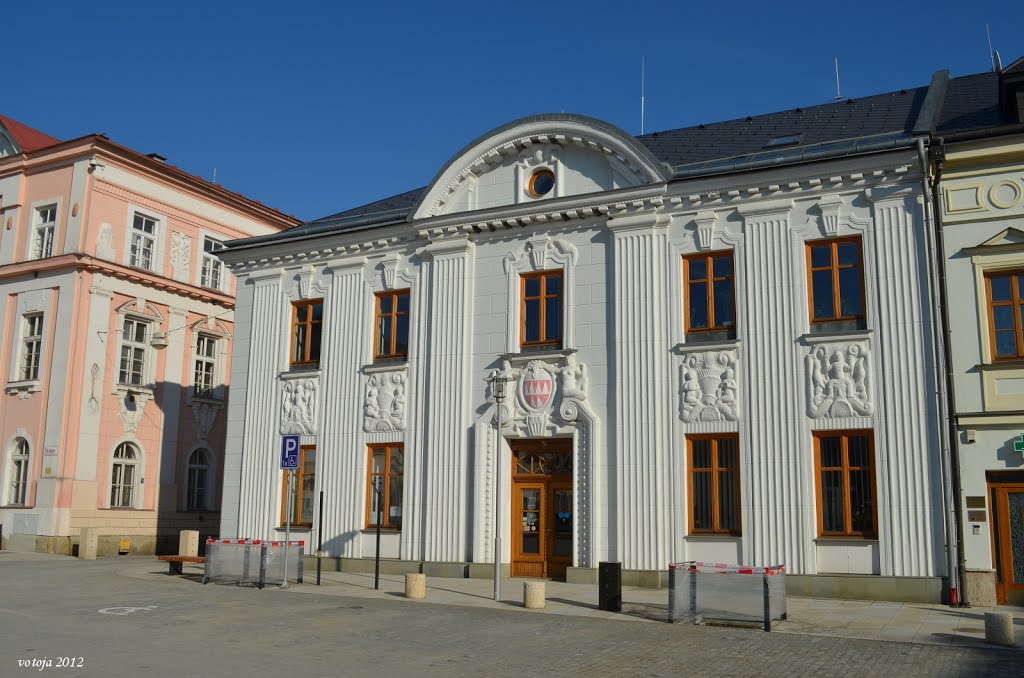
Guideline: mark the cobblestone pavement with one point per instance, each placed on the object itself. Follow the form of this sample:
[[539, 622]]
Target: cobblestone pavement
[[124, 618]]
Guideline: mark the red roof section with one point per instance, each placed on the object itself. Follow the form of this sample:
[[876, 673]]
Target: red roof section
[[27, 138]]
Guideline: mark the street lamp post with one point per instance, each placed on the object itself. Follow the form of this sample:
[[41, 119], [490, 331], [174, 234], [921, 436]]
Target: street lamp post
[[498, 384]]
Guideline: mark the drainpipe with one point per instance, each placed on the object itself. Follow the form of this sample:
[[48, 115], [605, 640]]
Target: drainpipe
[[948, 444]]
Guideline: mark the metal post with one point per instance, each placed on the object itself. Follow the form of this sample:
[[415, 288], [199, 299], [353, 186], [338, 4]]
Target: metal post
[[379, 491], [767, 605], [693, 592], [320, 539], [288, 524], [499, 396]]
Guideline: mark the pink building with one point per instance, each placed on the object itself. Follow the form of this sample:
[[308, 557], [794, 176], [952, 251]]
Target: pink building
[[116, 318]]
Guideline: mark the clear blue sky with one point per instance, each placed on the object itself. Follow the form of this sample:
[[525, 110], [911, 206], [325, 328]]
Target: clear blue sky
[[315, 107]]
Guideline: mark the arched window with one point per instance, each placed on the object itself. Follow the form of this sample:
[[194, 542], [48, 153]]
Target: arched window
[[18, 488], [123, 476], [198, 481]]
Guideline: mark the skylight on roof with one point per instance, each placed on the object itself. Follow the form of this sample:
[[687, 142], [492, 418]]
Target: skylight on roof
[[789, 140]]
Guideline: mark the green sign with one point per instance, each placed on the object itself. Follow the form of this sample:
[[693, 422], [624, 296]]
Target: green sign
[[1018, 445]]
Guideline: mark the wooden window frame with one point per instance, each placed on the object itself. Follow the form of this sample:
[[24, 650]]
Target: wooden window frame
[[309, 323], [544, 341], [387, 476], [848, 532], [394, 315], [299, 476], [835, 268], [1016, 302], [714, 470], [710, 280]]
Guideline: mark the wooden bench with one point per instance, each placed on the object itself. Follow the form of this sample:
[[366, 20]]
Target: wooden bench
[[175, 562]]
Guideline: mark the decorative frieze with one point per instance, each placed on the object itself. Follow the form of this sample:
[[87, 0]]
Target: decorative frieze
[[299, 406], [204, 414], [384, 405], [839, 380], [709, 387]]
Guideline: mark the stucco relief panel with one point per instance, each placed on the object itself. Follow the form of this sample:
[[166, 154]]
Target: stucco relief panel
[[299, 406], [385, 403], [839, 380], [708, 387]]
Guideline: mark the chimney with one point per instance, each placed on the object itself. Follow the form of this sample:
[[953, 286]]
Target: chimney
[[157, 157]]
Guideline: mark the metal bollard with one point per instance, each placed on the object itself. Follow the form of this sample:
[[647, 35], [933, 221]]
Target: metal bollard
[[609, 586]]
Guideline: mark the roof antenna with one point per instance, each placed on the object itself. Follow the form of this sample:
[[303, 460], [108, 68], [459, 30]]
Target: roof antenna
[[214, 175], [838, 94], [643, 68], [991, 54]]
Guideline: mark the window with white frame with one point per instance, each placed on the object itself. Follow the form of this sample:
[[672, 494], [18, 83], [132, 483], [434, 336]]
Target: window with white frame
[[143, 241], [134, 349], [197, 481], [17, 490], [42, 233], [31, 346], [124, 476], [210, 273], [206, 366]]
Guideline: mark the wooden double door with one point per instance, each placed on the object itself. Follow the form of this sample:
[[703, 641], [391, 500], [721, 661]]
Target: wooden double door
[[542, 508], [1007, 500]]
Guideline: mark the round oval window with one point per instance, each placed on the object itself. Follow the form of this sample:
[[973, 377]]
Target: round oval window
[[541, 183]]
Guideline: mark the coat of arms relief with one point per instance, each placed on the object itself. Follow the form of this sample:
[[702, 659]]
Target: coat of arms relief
[[533, 391]]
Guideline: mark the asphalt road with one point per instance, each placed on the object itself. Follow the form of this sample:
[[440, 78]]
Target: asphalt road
[[124, 618]]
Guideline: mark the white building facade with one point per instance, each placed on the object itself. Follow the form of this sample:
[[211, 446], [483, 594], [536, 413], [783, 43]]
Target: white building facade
[[719, 363]]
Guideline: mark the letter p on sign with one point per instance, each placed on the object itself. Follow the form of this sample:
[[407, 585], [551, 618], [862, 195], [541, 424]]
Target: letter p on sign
[[289, 453]]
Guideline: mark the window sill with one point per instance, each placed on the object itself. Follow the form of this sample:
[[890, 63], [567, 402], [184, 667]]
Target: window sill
[[385, 365], [295, 528], [811, 339], [16, 506], [846, 539], [712, 536], [126, 508], [1002, 365], [300, 372], [206, 400], [23, 389], [383, 530], [547, 354], [696, 344]]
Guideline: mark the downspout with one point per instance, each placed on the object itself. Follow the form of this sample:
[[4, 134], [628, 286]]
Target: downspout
[[950, 459]]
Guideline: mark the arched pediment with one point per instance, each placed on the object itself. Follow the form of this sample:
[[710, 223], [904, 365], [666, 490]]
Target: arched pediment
[[579, 154]]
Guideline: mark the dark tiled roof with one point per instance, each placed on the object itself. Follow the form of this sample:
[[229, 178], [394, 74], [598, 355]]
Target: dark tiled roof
[[846, 119], [28, 139], [402, 201], [972, 102]]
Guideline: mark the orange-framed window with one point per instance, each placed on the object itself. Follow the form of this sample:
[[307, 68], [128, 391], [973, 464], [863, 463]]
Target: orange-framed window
[[844, 472], [307, 320], [710, 297], [714, 484], [384, 486], [1005, 293], [304, 489], [541, 310], [391, 329], [836, 280]]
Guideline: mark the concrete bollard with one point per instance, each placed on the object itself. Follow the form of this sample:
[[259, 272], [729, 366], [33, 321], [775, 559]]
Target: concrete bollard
[[415, 586], [188, 543], [999, 628], [88, 543], [533, 595]]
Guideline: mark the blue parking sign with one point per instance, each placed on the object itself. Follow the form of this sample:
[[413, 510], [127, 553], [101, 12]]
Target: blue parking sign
[[289, 452]]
